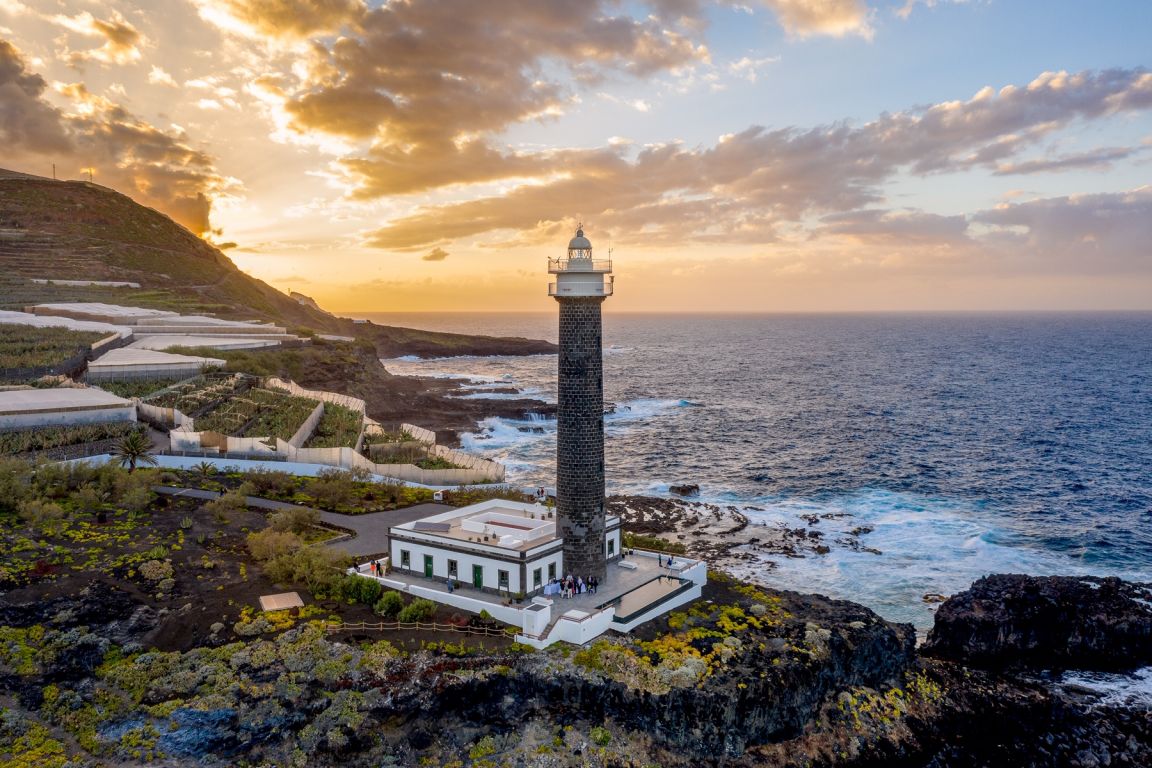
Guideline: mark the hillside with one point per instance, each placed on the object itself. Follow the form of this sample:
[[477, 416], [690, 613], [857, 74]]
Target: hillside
[[76, 230]]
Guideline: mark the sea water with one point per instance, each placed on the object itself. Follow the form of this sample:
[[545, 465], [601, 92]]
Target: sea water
[[969, 443]]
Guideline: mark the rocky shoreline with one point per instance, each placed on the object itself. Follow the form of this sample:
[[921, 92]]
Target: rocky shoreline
[[777, 678], [723, 535]]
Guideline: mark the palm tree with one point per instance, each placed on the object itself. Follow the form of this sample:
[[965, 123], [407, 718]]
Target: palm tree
[[205, 469], [134, 448]]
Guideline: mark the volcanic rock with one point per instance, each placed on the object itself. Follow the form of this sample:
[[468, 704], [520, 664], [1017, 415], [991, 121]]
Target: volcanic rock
[[1051, 622]]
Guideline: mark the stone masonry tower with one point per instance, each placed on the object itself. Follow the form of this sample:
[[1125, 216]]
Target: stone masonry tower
[[581, 287]]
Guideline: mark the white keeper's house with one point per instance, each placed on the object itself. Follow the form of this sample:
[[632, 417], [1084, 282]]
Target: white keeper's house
[[498, 546]]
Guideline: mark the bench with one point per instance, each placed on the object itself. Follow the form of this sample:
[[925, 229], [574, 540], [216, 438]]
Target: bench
[[627, 564]]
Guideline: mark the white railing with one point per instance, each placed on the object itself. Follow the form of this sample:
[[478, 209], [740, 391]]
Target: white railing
[[579, 265]]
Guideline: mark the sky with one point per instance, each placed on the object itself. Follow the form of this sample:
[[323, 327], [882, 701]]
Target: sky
[[753, 155]]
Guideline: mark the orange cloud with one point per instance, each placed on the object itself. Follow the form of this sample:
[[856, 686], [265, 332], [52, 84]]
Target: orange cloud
[[121, 40], [155, 167]]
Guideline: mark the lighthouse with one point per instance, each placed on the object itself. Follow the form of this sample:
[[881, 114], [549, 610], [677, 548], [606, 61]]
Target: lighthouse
[[582, 284]]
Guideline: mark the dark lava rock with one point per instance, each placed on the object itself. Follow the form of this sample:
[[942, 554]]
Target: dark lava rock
[[96, 605], [1051, 622], [685, 489]]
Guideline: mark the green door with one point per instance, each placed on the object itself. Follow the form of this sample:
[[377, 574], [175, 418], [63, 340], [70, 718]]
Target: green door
[[428, 566], [478, 576]]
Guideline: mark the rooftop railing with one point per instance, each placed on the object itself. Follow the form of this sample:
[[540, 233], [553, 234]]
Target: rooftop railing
[[579, 265]]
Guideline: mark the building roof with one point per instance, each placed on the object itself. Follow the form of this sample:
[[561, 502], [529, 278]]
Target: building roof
[[32, 400], [203, 320], [509, 525], [41, 321], [579, 242], [218, 342], [130, 356], [105, 310]]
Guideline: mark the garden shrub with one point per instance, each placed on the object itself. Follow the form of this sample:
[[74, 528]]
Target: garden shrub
[[418, 610], [332, 489], [389, 604], [271, 482], [156, 570], [269, 543], [316, 567], [296, 520], [40, 514]]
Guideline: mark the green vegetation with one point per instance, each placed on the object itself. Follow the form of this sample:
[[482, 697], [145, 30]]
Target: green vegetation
[[136, 387], [57, 519], [417, 610], [462, 497], [436, 462], [339, 427], [319, 359], [194, 395], [132, 449], [26, 346], [46, 438], [259, 413], [653, 543], [389, 604], [700, 642], [384, 437], [231, 405]]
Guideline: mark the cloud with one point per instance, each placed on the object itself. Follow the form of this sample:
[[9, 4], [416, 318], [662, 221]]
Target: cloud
[[155, 167], [1099, 159], [1081, 234], [436, 254], [900, 228], [750, 184], [750, 69], [294, 19], [121, 40], [26, 120], [804, 18], [423, 87], [157, 76]]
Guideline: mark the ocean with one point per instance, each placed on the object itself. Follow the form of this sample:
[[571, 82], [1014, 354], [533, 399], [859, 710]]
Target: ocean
[[969, 443]]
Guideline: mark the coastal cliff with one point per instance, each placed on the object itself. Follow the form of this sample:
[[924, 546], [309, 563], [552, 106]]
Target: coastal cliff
[[746, 677]]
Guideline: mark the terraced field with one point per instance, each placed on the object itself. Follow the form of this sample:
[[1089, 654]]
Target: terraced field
[[233, 405], [26, 346]]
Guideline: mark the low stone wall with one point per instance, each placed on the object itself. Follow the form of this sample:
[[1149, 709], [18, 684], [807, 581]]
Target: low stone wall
[[293, 388], [308, 427]]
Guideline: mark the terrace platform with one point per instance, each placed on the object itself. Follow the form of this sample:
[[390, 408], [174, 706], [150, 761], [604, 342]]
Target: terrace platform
[[626, 598]]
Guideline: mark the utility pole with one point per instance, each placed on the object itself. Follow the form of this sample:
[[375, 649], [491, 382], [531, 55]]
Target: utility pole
[[53, 171]]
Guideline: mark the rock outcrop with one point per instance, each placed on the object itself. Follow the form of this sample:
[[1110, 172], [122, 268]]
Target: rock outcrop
[[1051, 622]]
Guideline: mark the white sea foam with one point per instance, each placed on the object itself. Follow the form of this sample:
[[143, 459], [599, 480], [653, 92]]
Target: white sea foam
[[1115, 690], [926, 546]]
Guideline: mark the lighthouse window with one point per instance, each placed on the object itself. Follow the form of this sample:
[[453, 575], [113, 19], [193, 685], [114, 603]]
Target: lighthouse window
[[405, 559], [503, 579]]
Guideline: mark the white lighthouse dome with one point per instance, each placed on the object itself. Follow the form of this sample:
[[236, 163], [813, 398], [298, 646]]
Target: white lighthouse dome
[[579, 242]]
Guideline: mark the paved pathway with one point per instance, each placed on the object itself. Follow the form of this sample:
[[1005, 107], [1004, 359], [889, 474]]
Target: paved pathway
[[370, 531]]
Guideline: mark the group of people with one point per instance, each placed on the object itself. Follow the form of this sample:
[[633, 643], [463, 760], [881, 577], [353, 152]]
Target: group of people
[[570, 585], [375, 568]]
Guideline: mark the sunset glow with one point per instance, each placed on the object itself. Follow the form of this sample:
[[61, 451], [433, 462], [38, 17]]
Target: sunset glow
[[779, 155]]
